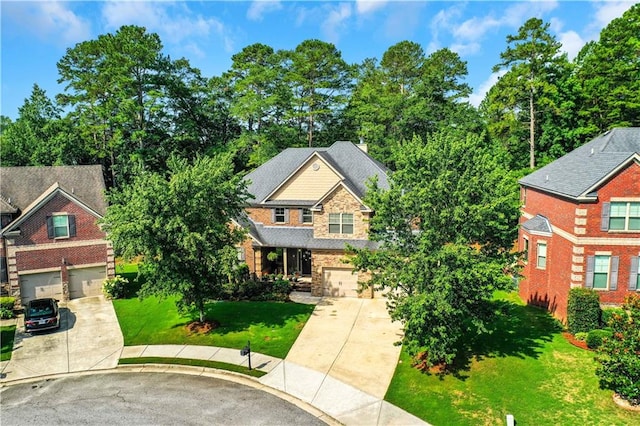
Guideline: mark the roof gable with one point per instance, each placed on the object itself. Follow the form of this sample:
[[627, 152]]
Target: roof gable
[[21, 186], [350, 163], [310, 181], [579, 173]]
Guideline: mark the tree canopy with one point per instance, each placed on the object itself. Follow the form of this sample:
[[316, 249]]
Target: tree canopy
[[179, 221], [446, 228]]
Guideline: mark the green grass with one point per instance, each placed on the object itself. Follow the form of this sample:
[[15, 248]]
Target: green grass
[[272, 327], [526, 368], [193, 362], [7, 335]]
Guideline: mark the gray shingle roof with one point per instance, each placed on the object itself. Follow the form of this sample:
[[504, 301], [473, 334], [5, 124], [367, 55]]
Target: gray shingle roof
[[578, 173], [302, 237], [23, 185], [538, 223], [350, 161]]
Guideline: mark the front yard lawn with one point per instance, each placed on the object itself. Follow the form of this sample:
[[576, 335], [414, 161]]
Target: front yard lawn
[[7, 334], [272, 327], [526, 368]]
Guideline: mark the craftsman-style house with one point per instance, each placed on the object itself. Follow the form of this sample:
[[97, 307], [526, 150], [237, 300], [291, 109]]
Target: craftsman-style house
[[307, 205], [580, 224], [50, 242]]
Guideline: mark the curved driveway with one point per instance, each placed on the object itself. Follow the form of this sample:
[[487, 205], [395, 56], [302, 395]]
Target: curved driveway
[[146, 398]]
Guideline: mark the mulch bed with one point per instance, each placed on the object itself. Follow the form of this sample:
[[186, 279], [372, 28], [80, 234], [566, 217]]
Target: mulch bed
[[575, 342], [197, 327]]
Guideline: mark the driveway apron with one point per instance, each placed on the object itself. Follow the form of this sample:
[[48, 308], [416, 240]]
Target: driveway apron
[[89, 338], [351, 340]]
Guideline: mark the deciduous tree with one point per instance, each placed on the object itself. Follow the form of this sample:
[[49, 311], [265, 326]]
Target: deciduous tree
[[180, 223], [446, 228]]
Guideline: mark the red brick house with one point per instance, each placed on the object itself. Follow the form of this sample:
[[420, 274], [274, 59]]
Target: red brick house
[[307, 205], [50, 242], [580, 224]]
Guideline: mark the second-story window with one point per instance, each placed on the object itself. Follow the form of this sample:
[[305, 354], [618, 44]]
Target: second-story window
[[307, 216], [340, 223], [279, 215], [61, 225], [624, 216]]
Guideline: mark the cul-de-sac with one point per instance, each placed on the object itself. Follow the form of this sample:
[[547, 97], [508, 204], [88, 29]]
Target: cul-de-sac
[[308, 213]]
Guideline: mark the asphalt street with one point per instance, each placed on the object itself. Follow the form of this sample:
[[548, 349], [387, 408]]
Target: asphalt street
[[145, 399]]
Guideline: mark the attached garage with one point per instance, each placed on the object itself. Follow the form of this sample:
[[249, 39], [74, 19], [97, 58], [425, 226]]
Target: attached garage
[[339, 282], [86, 282], [41, 285]]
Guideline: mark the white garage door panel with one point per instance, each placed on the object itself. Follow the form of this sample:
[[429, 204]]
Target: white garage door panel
[[339, 282], [38, 286], [85, 282]]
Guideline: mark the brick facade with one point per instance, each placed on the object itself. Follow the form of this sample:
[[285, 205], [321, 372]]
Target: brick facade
[[33, 251], [576, 235]]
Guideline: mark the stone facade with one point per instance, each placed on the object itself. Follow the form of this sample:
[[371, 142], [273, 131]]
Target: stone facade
[[341, 201], [322, 259]]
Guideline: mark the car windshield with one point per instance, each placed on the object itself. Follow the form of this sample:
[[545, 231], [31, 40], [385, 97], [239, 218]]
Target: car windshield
[[40, 309]]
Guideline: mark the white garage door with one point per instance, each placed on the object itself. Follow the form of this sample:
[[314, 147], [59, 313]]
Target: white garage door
[[85, 282], [339, 282], [38, 286]]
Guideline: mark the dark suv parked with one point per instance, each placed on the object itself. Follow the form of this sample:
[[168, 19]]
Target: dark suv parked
[[41, 314]]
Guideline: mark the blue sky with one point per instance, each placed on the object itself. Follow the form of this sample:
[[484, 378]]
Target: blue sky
[[36, 34]]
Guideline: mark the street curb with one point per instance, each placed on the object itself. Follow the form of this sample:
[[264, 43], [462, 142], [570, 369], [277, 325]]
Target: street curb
[[229, 376]]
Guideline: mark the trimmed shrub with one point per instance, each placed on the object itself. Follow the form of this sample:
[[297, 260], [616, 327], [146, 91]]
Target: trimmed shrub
[[7, 302], [116, 287], [595, 338], [583, 310], [6, 313]]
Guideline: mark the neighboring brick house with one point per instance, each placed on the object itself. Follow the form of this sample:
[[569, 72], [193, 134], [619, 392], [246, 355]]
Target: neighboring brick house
[[50, 242], [580, 224], [307, 205]]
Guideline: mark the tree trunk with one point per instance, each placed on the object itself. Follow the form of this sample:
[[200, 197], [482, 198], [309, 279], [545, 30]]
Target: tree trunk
[[532, 125], [310, 133]]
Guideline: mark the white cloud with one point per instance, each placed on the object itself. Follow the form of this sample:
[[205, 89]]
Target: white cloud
[[465, 48], [607, 11], [571, 43], [479, 94], [258, 9], [335, 21], [368, 6], [51, 21], [174, 22]]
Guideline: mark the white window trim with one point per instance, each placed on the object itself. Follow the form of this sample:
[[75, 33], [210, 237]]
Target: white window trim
[[526, 248], [341, 224], [627, 215], [68, 233], [608, 285], [546, 254], [275, 215]]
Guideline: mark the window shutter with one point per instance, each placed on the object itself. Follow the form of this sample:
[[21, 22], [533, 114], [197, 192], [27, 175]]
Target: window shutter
[[50, 227], [72, 225], [300, 218], [606, 208], [613, 283], [590, 266], [286, 215], [273, 215], [633, 273]]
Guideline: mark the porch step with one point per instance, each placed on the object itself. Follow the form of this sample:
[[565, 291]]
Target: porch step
[[302, 286]]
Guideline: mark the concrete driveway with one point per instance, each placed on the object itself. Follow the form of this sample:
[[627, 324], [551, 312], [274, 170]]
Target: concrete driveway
[[89, 338], [351, 340]]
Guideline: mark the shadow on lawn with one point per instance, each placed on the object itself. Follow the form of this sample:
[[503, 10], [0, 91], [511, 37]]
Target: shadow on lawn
[[514, 331], [239, 316]]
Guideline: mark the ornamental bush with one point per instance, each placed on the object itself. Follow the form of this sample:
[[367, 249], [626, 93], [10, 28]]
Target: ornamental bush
[[115, 288], [583, 310], [619, 355], [7, 302], [596, 337]]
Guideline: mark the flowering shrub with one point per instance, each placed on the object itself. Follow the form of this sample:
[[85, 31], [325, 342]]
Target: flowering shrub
[[115, 288]]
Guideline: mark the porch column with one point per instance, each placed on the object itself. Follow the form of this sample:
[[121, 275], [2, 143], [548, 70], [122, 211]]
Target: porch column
[[285, 256]]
